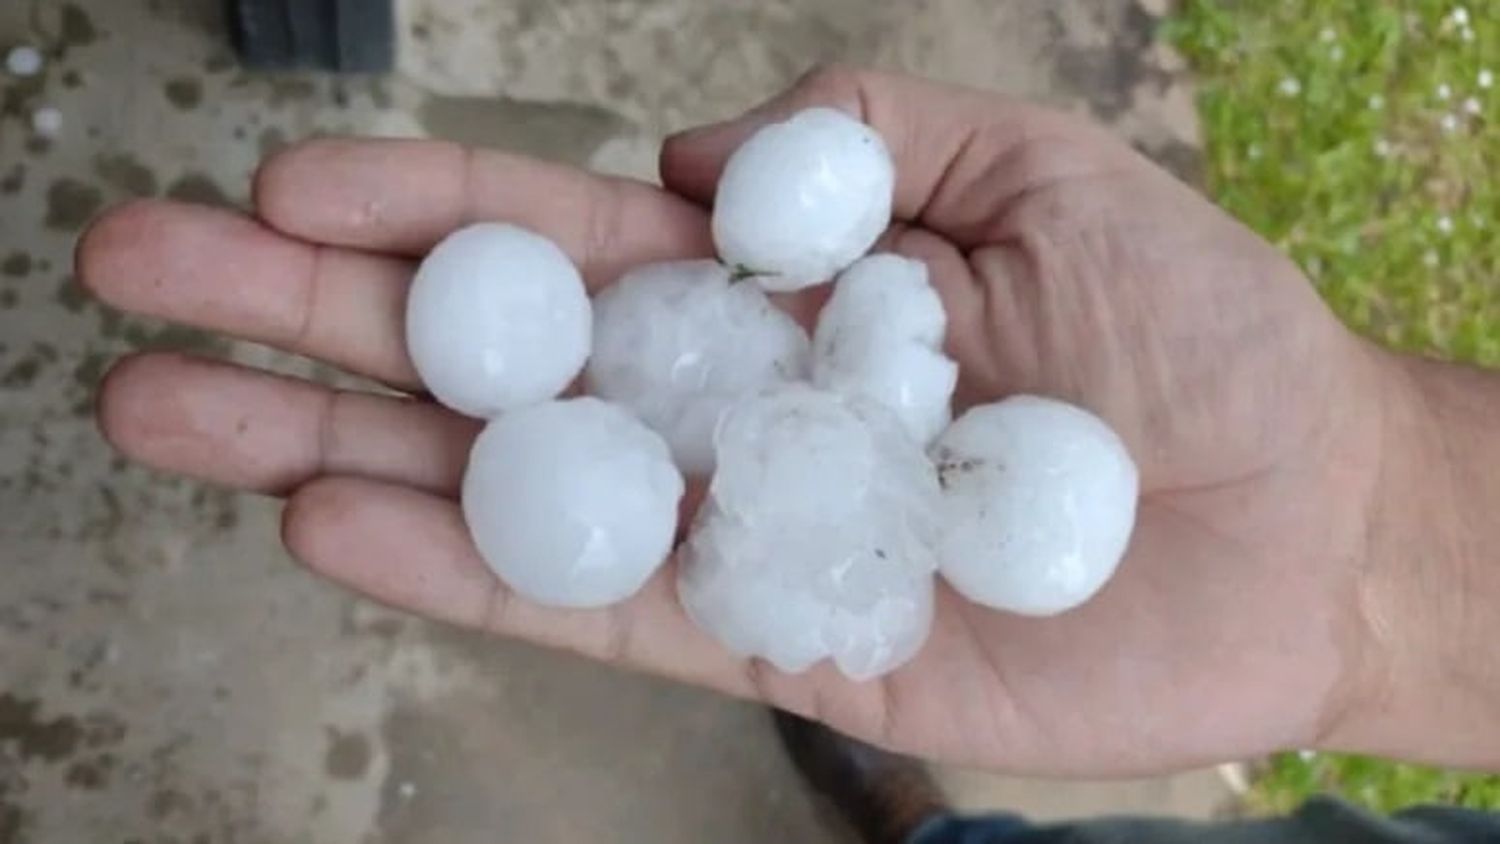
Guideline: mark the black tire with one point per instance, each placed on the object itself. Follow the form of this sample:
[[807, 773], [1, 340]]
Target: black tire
[[347, 36]]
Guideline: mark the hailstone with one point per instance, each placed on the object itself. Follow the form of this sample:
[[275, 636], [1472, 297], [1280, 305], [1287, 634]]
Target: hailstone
[[816, 538], [881, 336], [677, 343], [1038, 504], [24, 60], [497, 318], [801, 200], [572, 503]]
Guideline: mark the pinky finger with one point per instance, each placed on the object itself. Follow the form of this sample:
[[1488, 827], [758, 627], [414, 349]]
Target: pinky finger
[[411, 550]]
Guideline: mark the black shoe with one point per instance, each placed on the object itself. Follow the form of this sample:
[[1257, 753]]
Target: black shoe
[[883, 796]]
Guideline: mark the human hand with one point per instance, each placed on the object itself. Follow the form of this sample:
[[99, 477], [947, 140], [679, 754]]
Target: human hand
[[1069, 266]]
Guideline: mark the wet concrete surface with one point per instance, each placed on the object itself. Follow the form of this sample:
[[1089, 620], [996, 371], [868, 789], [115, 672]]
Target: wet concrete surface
[[166, 675]]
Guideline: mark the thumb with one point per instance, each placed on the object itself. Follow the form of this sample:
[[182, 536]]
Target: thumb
[[944, 140]]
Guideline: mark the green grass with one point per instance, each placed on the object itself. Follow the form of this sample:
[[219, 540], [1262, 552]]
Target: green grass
[[1359, 137], [1328, 131]]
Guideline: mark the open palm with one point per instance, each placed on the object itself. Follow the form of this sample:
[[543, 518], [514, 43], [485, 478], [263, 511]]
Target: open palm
[[1069, 267]]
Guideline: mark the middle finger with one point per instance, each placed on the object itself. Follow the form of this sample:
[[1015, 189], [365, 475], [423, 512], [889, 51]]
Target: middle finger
[[268, 433], [222, 272]]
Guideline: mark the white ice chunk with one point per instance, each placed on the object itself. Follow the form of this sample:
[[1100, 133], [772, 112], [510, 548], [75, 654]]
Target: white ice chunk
[[23, 60], [677, 343], [47, 122], [881, 336], [572, 503], [1039, 501], [801, 200], [497, 318], [816, 539]]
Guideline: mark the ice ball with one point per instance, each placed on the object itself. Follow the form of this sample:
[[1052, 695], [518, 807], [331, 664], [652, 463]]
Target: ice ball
[[677, 343], [1038, 504], [572, 503], [881, 336], [497, 318], [816, 538], [800, 200]]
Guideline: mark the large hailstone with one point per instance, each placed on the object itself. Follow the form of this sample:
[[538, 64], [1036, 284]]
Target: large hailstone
[[497, 318], [1038, 504], [801, 200], [881, 336], [816, 539], [677, 343], [572, 503]]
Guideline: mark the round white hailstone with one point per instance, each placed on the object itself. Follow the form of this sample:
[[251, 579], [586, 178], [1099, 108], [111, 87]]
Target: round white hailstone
[[47, 122], [881, 336], [497, 318], [1039, 502], [24, 61], [677, 343], [801, 200], [572, 503], [816, 539]]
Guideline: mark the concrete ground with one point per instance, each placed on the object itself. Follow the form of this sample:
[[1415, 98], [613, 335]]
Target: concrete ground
[[165, 674]]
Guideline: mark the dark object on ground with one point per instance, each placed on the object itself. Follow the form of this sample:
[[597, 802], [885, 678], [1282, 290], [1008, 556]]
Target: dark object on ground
[[346, 36], [884, 797]]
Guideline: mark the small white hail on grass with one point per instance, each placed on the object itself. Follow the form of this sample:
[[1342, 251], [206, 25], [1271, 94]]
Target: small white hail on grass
[[1430, 259], [1486, 78], [1473, 106], [1291, 86], [1444, 92], [1449, 123], [1327, 35], [1382, 148], [1460, 16], [1445, 225], [1377, 102]]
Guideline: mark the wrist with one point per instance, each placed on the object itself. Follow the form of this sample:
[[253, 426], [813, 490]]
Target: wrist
[[1428, 684]]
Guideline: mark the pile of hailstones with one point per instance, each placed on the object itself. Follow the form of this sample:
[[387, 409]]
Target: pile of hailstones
[[838, 485]]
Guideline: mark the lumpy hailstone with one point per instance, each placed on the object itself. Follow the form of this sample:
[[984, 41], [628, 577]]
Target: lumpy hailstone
[[816, 538], [1039, 501], [497, 318], [801, 200], [572, 503], [881, 336], [677, 343]]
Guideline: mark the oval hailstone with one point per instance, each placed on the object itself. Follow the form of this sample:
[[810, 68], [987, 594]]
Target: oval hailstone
[[572, 503], [801, 200], [497, 318], [24, 60], [1038, 504], [677, 343], [816, 539], [881, 336]]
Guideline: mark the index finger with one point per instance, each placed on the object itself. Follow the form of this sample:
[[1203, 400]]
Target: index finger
[[403, 196]]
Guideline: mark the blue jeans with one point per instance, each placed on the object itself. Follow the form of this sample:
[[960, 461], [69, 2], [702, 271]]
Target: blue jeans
[[1319, 820]]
